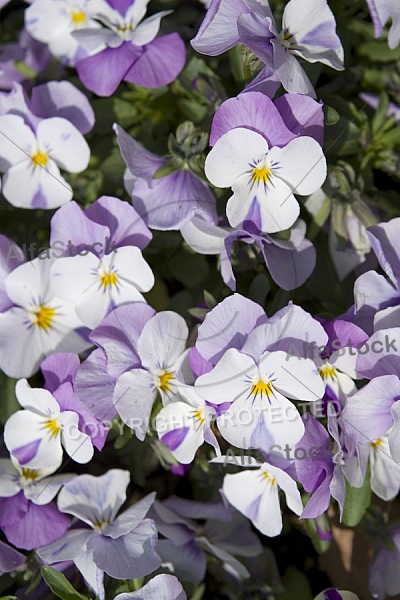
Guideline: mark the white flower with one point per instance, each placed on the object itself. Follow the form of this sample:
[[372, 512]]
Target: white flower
[[31, 160], [53, 21], [264, 179], [35, 435], [38, 324], [255, 493], [97, 285]]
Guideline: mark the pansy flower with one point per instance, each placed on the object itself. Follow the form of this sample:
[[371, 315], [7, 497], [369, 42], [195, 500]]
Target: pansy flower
[[308, 32], [127, 48], [31, 160], [35, 436], [122, 546]]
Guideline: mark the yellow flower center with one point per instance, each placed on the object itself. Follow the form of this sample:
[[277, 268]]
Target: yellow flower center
[[78, 17], [261, 174], [327, 371], [40, 159], [108, 279], [198, 415], [54, 426], [30, 474], [44, 317], [262, 387], [269, 478], [124, 28], [377, 443], [164, 381]]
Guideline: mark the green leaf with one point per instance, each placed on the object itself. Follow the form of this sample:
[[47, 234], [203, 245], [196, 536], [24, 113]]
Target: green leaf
[[392, 138], [8, 598], [319, 219], [380, 116], [296, 585], [172, 165], [379, 52], [357, 501], [363, 212], [60, 586], [259, 288], [199, 593], [331, 115], [188, 269], [9, 403]]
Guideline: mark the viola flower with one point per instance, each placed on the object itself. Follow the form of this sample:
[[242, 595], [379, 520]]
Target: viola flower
[[297, 253], [261, 413], [127, 48], [97, 285], [187, 542], [308, 32], [116, 340], [122, 546], [30, 51], [184, 425], [37, 323], [52, 23], [381, 11], [31, 159], [166, 203], [161, 587], [264, 178], [28, 516], [35, 436], [255, 493], [160, 371]]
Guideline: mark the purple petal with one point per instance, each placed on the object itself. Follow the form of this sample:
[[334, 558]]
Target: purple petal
[[254, 111], [126, 226], [160, 587], [10, 559], [290, 268], [59, 368], [385, 240], [95, 387], [170, 202], [62, 99], [70, 227], [103, 72], [160, 62], [120, 5], [218, 31], [188, 559], [255, 33], [35, 525], [198, 364], [266, 82], [227, 326], [302, 115], [25, 454], [173, 439], [140, 162], [129, 556]]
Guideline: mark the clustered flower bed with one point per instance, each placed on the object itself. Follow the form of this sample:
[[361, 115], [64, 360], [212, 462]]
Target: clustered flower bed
[[199, 298]]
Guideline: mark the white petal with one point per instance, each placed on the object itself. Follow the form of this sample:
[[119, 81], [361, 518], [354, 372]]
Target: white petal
[[233, 155], [302, 165], [37, 400], [66, 145], [134, 395], [46, 19], [230, 379], [179, 415], [171, 333], [78, 445], [148, 29], [43, 491], [16, 141], [279, 209], [9, 479], [203, 237], [26, 185], [298, 379]]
